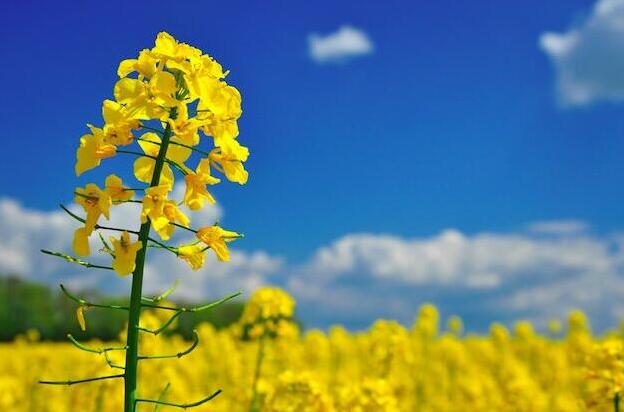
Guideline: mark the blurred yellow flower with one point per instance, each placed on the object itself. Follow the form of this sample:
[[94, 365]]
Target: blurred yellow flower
[[125, 254], [217, 238]]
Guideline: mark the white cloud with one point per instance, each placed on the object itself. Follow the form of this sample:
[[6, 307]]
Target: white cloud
[[491, 275], [545, 271], [344, 44], [454, 259], [588, 58], [23, 232], [559, 227]]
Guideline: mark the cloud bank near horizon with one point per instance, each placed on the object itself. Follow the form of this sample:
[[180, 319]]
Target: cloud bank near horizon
[[537, 273]]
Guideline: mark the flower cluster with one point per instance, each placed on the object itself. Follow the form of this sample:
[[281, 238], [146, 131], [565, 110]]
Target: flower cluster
[[269, 312], [168, 102], [386, 368]]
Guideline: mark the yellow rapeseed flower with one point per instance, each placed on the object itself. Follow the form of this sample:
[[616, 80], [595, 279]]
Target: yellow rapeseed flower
[[154, 203], [144, 166], [93, 148], [95, 202], [145, 100], [167, 48], [229, 158], [118, 124], [125, 253], [217, 238], [221, 104], [144, 65], [194, 255], [196, 192]]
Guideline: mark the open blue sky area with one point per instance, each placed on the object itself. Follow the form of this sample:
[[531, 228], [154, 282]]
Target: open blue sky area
[[478, 118]]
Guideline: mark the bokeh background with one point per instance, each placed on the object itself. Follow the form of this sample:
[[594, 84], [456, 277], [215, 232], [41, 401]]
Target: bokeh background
[[467, 154]]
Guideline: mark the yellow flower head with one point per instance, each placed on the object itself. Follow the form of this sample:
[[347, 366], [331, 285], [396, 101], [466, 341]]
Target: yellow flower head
[[167, 48], [194, 255], [216, 238], [229, 158], [154, 203], [200, 74], [455, 325], [186, 129], [95, 202], [116, 190], [221, 104], [144, 65], [174, 215], [144, 166], [196, 192], [298, 392], [125, 254], [118, 123], [146, 100], [269, 311], [80, 244], [93, 148]]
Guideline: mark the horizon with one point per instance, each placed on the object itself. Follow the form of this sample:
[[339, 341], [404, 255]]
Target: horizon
[[401, 154]]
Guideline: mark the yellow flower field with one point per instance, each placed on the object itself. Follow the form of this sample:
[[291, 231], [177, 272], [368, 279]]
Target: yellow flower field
[[386, 368]]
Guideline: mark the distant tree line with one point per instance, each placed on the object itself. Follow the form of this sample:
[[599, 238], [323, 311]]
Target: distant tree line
[[26, 305]]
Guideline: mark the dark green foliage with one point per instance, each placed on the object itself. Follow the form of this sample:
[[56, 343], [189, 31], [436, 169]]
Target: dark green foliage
[[27, 305]]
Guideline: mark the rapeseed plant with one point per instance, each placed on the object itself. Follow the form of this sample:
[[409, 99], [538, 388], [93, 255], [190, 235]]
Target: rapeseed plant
[[172, 101]]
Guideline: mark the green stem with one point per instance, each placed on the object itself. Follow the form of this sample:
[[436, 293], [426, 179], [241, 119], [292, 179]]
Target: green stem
[[99, 378], [253, 407], [181, 405], [131, 373], [616, 402]]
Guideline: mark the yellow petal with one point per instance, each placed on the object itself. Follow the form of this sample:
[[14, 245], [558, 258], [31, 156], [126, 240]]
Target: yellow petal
[[81, 318], [147, 146], [127, 90], [126, 67], [80, 245], [144, 169]]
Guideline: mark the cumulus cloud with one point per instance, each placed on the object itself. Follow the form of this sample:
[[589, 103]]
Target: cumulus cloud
[[488, 276], [24, 231], [537, 274], [339, 46], [588, 58], [559, 227]]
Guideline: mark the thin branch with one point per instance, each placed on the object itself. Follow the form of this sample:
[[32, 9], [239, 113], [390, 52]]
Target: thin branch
[[196, 308], [82, 220], [179, 311], [180, 144], [83, 302], [163, 295], [183, 227], [99, 378], [131, 152], [75, 260], [161, 397], [169, 161], [163, 326], [177, 355], [163, 246], [110, 362], [92, 350], [179, 405], [142, 126]]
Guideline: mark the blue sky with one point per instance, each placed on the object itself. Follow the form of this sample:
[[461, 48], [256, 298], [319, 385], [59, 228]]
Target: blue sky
[[461, 117]]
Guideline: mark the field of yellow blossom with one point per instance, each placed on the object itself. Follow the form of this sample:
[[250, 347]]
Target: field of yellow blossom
[[389, 367]]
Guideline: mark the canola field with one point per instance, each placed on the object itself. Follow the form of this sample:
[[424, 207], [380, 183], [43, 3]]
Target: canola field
[[431, 366], [176, 117]]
